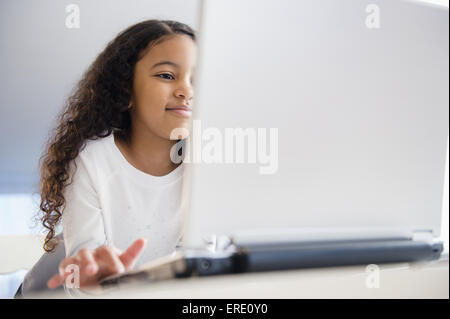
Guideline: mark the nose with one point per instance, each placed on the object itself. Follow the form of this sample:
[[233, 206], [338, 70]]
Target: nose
[[186, 92]]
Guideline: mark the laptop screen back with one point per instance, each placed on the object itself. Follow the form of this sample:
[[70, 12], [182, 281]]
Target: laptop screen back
[[338, 113]]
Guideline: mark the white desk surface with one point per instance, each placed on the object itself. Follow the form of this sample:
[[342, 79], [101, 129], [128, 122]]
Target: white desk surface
[[400, 280]]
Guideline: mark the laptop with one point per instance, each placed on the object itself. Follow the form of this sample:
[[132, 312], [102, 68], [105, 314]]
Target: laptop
[[318, 139]]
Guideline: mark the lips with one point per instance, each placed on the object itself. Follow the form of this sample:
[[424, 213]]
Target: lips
[[180, 110]]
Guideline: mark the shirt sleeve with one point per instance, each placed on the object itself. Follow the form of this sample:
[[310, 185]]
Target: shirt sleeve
[[82, 217]]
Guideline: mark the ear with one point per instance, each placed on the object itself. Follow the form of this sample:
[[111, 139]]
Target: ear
[[130, 105]]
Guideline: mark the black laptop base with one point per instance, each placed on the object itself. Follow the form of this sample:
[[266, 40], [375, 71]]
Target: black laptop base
[[284, 256]]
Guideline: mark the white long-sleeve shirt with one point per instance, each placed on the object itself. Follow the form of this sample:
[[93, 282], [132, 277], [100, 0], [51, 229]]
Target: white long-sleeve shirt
[[112, 202]]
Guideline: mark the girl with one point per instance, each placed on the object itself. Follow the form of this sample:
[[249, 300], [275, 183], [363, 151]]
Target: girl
[[107, 174]]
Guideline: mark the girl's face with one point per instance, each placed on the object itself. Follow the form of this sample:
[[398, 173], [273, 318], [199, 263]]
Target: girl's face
[[163, 80]]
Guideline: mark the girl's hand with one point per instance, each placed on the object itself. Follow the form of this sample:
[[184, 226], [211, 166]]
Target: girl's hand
[[94, 265]]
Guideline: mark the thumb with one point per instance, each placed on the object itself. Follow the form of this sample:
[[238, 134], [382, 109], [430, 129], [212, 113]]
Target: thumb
[[132, 253]]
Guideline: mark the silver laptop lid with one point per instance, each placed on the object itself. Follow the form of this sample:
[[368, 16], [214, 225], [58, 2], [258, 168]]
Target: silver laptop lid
[[358, 94]]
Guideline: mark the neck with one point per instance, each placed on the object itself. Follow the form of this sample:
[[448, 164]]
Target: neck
[[148, 152]]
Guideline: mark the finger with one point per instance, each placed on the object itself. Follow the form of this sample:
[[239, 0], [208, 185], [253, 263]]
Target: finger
[[108, 259], [54, 282], [87, 262], [130, 256]]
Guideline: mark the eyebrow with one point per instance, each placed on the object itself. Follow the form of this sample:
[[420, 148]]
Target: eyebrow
[[165, 62]]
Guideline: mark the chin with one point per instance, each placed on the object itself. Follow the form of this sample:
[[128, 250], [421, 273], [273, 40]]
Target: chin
[[179, 130]]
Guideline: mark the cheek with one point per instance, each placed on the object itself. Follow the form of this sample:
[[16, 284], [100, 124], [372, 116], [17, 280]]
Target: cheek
[[153, 95], [152, 101]]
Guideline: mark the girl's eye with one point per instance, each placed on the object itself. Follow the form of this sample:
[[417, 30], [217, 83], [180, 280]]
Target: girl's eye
[[167, 74]]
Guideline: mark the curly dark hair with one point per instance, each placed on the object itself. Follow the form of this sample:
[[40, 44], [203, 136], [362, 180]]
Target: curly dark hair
[[97, 107]]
